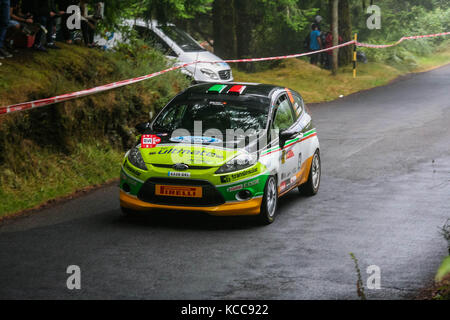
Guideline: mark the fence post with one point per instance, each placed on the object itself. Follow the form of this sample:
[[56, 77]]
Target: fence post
[[354, 56]]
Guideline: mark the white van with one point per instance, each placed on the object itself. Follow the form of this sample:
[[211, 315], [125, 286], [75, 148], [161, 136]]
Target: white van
[[176, 45]]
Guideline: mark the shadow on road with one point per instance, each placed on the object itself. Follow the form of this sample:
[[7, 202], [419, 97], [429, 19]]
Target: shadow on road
[[195, 220]]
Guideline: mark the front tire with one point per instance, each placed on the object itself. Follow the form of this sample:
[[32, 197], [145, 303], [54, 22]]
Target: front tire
[[270, 202], [128, 213], [311, 187]]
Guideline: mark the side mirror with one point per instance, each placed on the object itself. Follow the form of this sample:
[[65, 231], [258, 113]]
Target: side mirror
[[143, 127], [285, 135]]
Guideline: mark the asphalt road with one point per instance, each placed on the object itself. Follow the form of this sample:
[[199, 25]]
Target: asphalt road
[[385, 191]]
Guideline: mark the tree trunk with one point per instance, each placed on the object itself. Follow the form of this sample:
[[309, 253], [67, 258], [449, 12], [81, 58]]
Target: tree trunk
[[224, 28], [335, 24], [345, 31], [245, 23]]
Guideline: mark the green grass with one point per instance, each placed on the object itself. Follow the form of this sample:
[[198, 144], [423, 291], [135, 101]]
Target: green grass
[[54, 151], [318, 85], [57, 175]]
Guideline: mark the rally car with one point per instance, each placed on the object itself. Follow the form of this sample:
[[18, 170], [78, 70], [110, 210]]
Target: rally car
[[224, 149]]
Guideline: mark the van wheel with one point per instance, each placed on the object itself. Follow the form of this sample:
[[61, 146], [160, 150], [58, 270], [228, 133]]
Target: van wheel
[[270, 202], [311, 187]]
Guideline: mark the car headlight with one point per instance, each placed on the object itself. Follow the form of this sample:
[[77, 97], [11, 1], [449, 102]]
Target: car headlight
[[240, 162], [209, 73], [135, 158]]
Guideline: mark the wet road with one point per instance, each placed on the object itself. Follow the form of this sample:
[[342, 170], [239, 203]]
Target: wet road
[[385, 191]]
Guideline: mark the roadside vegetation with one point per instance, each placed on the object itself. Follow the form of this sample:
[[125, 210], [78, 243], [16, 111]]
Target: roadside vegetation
[[53, 151], [442, 287]]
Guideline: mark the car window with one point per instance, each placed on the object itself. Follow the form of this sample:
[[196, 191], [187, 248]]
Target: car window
[[298, 105], [171, 119], [284, 117], [154, 40], [181, 38], [220, 115]]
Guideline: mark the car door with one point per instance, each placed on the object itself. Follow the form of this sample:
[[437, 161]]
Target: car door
[[285, 119], [306, 146]]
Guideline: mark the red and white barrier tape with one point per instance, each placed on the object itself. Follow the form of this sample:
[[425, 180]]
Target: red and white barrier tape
[[114, 85], [381, 46]]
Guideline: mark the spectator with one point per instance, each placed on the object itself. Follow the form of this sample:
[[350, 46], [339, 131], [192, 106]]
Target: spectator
[[318, 20], [89, 23], [45, 14], [62, 7], [329, 44], [17, 20], [314, 43], [4, 22]]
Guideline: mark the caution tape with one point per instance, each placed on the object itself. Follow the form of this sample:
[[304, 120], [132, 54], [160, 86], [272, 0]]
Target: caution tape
[[79, 94], [381, 46]]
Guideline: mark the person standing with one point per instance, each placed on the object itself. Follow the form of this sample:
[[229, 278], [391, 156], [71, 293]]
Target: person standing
[[44, 13], [4, 23], [329, 53], [314, 43], [63, 5]]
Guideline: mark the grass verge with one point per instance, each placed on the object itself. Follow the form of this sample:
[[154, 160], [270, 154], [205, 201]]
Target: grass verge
[[54, 151]]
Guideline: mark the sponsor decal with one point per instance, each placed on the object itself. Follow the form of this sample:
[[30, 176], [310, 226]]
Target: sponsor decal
[[132, 170], [244, 185], [235, 188], [283, 156], [238, 176], [195, 139], [289, 154], [149, 141], [185, 151], [179, 174], [283, 186], [252, 183], [179, 191]]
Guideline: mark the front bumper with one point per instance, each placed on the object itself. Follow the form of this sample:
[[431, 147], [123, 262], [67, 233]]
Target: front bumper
[[238, 208]]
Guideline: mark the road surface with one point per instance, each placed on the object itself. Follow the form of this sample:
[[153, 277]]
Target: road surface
[[385, 191]]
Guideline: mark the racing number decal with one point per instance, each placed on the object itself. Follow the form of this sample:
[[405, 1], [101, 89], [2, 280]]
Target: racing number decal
[[149, 141]]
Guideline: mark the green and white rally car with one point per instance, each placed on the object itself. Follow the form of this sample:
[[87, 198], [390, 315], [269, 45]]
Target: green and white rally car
[[224, 149]]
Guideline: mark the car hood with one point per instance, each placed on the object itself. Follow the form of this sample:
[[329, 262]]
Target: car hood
[[187, 57], [190, 154]]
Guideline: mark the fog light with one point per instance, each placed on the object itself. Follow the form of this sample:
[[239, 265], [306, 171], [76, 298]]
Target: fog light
[[126, 187], [244, 195]]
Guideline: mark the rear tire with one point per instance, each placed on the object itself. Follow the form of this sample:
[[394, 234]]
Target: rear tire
[[269, 203], [311, 187]]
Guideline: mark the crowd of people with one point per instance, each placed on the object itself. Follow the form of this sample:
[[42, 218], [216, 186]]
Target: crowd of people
[[317, 40], [39, 21]]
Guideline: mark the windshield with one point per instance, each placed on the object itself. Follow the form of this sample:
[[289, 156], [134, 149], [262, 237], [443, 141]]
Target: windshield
[[181, 38], [219, 115]]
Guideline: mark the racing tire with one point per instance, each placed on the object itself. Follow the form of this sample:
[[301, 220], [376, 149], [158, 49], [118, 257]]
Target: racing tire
[[269, 202], [311, 187]]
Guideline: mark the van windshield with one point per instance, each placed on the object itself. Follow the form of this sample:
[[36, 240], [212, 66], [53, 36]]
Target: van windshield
[[186, 43]]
